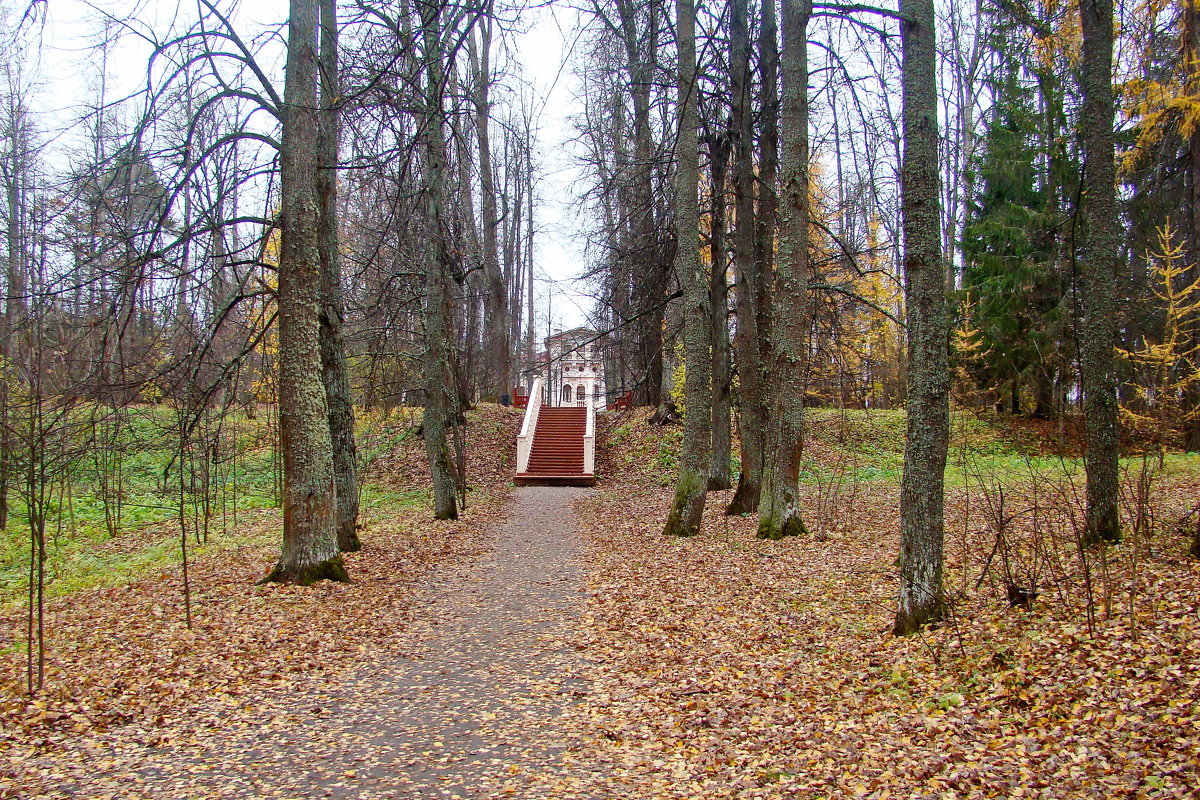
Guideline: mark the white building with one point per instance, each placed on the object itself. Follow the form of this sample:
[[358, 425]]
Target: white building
[[572, 368]]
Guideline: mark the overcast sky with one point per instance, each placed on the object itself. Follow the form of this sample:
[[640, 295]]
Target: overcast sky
[[545, 53], [68, 70]]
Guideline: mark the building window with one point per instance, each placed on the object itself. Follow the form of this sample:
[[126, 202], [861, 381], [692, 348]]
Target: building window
[[566, 393]]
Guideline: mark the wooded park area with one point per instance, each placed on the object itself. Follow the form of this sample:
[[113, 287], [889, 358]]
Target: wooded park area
[[901, 300]]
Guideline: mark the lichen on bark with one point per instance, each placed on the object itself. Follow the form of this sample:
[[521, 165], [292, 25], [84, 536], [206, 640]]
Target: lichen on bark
[[922, 524], [687, 510], [309, 549]]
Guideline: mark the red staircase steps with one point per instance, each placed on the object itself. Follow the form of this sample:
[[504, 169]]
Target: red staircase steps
[[557, 454]]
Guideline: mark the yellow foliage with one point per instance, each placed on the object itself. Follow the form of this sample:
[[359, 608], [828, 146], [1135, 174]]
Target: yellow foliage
[[261, 319], [1066, 36], [678, 379], [864, 344], [1169, 368], [1161, 106]]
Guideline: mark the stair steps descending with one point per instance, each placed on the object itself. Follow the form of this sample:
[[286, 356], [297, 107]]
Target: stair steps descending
[[557, 454]]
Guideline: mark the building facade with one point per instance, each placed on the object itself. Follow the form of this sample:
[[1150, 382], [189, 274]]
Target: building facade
[[572, 369]]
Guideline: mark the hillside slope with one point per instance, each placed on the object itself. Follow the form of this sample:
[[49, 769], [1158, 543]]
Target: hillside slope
[[732, 667]]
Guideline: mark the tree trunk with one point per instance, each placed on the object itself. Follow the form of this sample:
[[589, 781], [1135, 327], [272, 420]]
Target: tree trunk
[[649, 281], [335, 373], [687, 511], [720, 467], [473, 288], [530, 336], [310, 551], [1096, 257], [15, 177], [766, 218], [439, 384], [766, 214], [748, 297], [921, 492], [497, 355], [778, 510], [514, 269], [667, 411], [14, 301]]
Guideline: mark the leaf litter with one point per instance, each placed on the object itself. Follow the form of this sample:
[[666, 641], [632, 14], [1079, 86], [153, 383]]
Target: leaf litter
[[719, 666]]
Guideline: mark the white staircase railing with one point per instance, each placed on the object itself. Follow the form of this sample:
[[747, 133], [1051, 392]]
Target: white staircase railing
[[589, 442], [528, 426]]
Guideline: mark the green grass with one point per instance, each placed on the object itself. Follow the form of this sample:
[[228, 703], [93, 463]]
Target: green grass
[[385, 499], [137, 450], [868, 445], [82, 554], [84, 562], [93, 561]]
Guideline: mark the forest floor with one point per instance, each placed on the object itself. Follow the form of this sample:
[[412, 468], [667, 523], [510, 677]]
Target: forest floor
[[552, 644], [464, 707]]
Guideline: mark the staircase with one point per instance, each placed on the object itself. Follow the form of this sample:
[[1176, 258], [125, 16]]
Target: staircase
[[558, 455]]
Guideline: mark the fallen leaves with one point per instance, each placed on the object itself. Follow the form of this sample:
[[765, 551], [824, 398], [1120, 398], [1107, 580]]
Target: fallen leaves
[[717, 667], [123, 669], [744, 668]]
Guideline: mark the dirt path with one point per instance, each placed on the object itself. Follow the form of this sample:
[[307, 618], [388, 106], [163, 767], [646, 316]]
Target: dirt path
[[470, 714]]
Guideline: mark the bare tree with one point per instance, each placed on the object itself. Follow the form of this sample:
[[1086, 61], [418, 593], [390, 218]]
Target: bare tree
[[691, 485], [922, 486], [310, 547]]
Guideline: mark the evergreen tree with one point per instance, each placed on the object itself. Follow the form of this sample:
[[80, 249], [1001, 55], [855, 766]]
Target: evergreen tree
[[1010, 276]]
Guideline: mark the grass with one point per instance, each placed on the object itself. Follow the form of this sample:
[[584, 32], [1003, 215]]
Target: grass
[[114, 495], [96, 564], [868, 445], [81, 553]]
